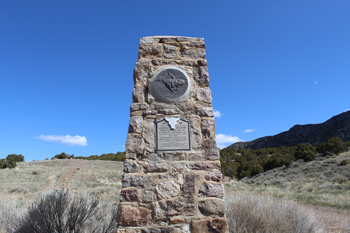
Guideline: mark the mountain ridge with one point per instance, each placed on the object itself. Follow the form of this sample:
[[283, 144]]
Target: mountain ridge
[[336, 126]]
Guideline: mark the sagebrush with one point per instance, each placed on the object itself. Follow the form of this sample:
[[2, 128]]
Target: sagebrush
[[248, 212]]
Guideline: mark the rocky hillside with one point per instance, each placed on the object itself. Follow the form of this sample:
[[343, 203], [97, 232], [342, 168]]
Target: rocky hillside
[[337, 126]]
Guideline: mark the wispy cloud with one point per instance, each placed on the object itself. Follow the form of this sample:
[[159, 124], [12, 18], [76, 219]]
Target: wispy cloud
[[67, 139], [315, 82], [223, 140], [217, 114], [248, 130], [347, 110]]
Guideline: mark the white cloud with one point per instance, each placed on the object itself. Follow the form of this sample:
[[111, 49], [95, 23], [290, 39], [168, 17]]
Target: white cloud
[[70, 140], [248, 130], [222, 140], [217, 114], [315, 82], [347, 110]]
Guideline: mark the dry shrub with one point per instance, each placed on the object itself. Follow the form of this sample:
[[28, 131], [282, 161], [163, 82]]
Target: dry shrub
[[62, 211], [11, 214], [247, 212]]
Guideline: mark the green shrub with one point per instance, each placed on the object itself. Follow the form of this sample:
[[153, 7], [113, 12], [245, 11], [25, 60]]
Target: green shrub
[[63, 155], [119, 156], [332, 146], [249, 168], [17, 158], [9, 162], [305, 151], [336, 146], [277, 160], [344, 163]]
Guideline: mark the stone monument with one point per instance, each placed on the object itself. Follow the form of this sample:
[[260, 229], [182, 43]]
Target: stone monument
[[172, 181]]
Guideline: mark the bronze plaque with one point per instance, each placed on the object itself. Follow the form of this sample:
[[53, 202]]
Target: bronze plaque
[[170, 85], [173, 134]]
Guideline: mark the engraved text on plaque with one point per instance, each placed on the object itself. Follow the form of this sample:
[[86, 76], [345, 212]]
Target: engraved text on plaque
[[173, 139]]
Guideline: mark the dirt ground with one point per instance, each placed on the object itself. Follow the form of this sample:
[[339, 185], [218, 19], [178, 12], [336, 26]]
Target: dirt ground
[[66, 177]]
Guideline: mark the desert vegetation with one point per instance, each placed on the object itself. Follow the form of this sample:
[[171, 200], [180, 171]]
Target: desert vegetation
[[60, 211], [249, 212], [240, 163], [323, 181], [119, 156]]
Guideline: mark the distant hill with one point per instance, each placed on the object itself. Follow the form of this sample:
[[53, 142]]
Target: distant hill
[[337, 126]]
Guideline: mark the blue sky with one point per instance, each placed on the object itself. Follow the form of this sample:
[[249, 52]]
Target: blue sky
[[66, 68]]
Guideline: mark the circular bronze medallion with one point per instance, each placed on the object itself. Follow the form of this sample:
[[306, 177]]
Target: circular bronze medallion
[[170, 85]]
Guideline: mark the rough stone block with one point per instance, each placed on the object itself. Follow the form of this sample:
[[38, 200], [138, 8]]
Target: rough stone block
[[205, 111], [211, 190], [194, 53], [148, 40], [195, 157], [196, 137], [213, 176], [185, 38], [129, 195], [130, 155], [139, 94], [178, 206], [161, 62], [217, 225], [148, 196], [133, 216], [208, 129], [131, 167], [134, 143], [156, 167], [167, 189], [148, 134], [196, 44], [202, 62], [169, 51], [177, 220], [149, 51], [141, 73], [180, 166], [203, 95], [201, 76], [137, 107], [211, 151], [212, 206], [172, 156], [189, 183], [135, 124], [205, 166], [132, 180]]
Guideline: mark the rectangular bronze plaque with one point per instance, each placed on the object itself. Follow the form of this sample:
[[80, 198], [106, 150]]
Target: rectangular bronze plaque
[[177, 138]]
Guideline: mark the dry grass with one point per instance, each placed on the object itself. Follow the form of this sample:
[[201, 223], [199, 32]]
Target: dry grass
[[28, 179], [248, 212], [320, 182]]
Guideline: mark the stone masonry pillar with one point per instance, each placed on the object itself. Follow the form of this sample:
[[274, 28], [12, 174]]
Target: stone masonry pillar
[[172, 181]]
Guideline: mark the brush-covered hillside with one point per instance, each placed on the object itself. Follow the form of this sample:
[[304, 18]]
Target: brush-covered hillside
[[337, 126]]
